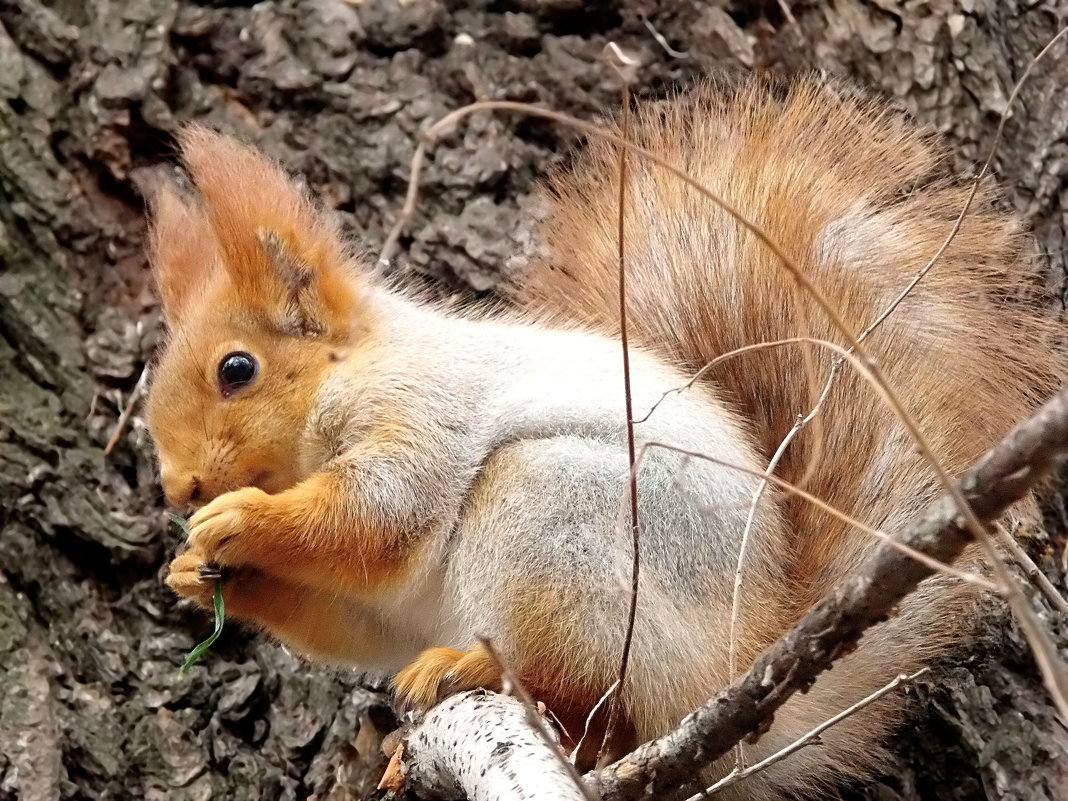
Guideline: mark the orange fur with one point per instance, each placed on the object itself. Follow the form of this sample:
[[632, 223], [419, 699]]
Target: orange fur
[[245, 194], [860, 201], [316, 621], [217, 259], [183, 251], [304, 533], [967, 363], [440, 672]]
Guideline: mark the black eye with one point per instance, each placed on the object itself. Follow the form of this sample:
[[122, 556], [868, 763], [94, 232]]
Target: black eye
[[236, 370]]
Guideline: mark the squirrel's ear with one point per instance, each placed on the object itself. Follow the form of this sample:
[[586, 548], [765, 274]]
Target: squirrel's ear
[[182, 250], [286, 256], [303, 315]]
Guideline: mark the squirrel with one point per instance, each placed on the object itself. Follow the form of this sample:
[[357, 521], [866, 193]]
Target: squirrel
[[383, 480]]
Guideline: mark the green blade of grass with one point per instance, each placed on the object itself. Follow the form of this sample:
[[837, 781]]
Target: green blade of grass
[[201, 649]]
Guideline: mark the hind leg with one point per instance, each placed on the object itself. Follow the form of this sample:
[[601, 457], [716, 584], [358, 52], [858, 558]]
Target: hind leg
[[540, 566]]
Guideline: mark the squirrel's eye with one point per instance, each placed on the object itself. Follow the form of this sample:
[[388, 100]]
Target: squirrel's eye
[[236, 370]]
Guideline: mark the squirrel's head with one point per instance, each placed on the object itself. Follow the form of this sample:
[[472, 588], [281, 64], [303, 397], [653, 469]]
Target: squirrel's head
[[261, 299]]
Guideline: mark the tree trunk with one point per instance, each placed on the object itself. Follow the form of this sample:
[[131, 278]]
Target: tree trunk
[[91, 705]]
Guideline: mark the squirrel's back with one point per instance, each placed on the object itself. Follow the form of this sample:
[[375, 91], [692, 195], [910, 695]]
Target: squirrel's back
[[861, 200]]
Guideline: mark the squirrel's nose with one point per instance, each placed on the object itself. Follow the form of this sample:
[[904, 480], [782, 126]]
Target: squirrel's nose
[[180, 488]]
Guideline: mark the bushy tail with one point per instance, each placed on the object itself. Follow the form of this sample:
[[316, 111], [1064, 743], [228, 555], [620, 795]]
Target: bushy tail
[[860, 200]]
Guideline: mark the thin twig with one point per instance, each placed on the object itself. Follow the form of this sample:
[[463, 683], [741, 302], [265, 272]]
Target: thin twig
[[845, 355], [919, 275], [707, 368], [933, 564], [975, 187], [512, 686], [836, 367], [1030, 569], [773, 463], [621, 64], [138, 390], [743, 548], [785, 7], [1030, 625], [808, 739], [660, 40], [589, 719]]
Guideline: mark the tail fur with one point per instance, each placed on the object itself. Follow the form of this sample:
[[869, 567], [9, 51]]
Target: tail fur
[[860, 199]]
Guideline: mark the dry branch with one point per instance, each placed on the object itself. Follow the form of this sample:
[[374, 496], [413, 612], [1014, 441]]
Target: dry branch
[[665, 768], [624, 66], [811, 738], [513, 687]]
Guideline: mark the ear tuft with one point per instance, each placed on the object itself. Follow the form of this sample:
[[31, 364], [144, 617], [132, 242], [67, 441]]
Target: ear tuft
[[302, 315], [258, 213], [183, 250]]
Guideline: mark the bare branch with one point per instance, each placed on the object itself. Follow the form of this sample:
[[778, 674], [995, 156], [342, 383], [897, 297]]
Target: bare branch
[[1030, 569], [512, 686], [808, 739], [664, 768]]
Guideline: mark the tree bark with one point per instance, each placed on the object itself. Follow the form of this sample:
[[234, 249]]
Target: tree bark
[[90, 91]]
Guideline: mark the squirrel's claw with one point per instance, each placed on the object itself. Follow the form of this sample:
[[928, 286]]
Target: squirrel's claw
[[440, 672], [185, 578]]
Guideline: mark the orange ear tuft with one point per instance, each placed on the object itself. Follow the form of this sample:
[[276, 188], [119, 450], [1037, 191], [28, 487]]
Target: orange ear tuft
[[247, 194], [182, 250]]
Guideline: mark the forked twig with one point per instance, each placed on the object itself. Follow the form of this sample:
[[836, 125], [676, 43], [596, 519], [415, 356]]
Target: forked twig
[[933, 564], [808, 739], [1021, 558], [773, 463], [707, 368]]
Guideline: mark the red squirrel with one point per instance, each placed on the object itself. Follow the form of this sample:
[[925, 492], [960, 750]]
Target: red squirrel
[[383, 480]]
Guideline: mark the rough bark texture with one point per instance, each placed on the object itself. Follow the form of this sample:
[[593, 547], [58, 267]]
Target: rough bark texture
[[90, 702]]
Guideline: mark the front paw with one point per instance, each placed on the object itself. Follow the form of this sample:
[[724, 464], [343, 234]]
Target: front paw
[[226, 531], [191, 577]]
